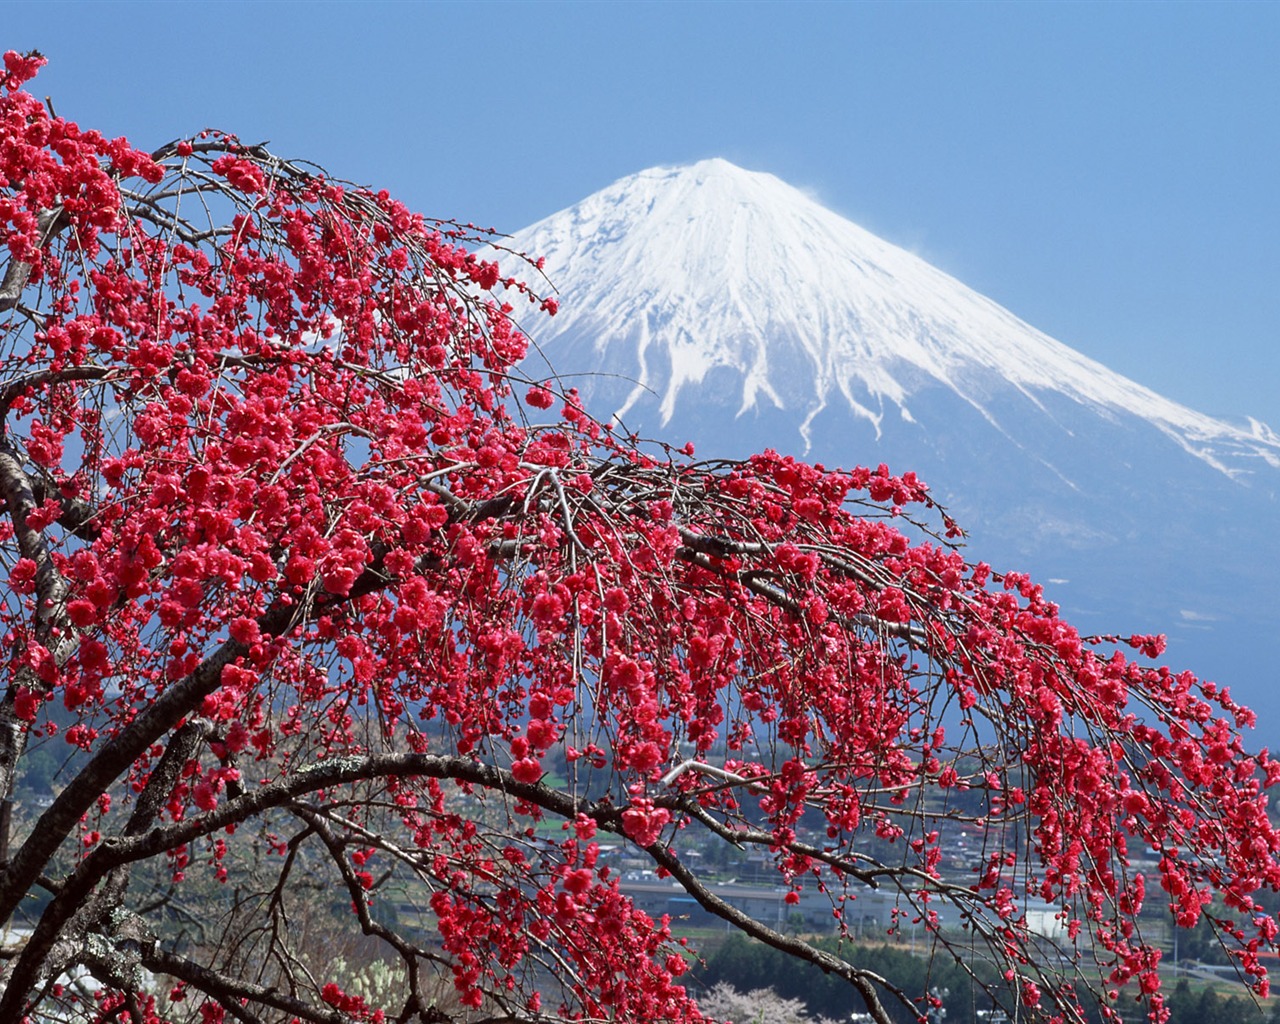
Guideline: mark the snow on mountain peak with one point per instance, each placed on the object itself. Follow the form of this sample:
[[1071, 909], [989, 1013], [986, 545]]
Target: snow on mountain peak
[[669, 274]]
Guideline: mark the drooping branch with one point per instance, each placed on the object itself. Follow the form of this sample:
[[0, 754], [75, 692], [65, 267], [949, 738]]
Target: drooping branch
[[866, 982], [115, 852], [410, 954], [119, 851], [232, 993]]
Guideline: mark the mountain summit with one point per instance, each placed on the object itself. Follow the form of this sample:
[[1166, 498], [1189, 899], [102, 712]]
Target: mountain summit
[[721, 305], [675, 273]]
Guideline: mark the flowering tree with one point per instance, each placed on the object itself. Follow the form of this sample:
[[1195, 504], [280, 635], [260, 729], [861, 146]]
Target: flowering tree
[[307, 585], [759, 1006]]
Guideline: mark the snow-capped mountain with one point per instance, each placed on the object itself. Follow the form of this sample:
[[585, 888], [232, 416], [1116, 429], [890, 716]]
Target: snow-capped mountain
[[721, 305]]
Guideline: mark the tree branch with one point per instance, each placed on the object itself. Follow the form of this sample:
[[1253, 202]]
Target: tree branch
[[864, 981], [117, 851], [17, 274], [51, 628]]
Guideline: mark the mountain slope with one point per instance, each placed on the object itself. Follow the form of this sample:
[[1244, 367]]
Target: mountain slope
[[679, 271], [724, 306]]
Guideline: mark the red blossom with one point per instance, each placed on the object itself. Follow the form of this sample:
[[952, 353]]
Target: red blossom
[[308, 588], [540, 398], [21, 68]]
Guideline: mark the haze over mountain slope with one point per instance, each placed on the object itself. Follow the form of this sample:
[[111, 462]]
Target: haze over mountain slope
[[721, 305]]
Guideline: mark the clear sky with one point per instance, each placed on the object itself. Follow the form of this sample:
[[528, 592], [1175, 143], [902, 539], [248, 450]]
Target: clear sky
[[1109, 172]]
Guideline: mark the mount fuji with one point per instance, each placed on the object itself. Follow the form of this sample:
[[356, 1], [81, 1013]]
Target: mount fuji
[[723, 306]]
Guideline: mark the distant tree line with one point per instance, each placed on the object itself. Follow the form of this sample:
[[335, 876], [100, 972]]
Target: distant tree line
[[747, 965]]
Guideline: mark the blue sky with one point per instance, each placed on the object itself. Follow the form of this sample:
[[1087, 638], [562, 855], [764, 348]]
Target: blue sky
[[1109, 172]]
